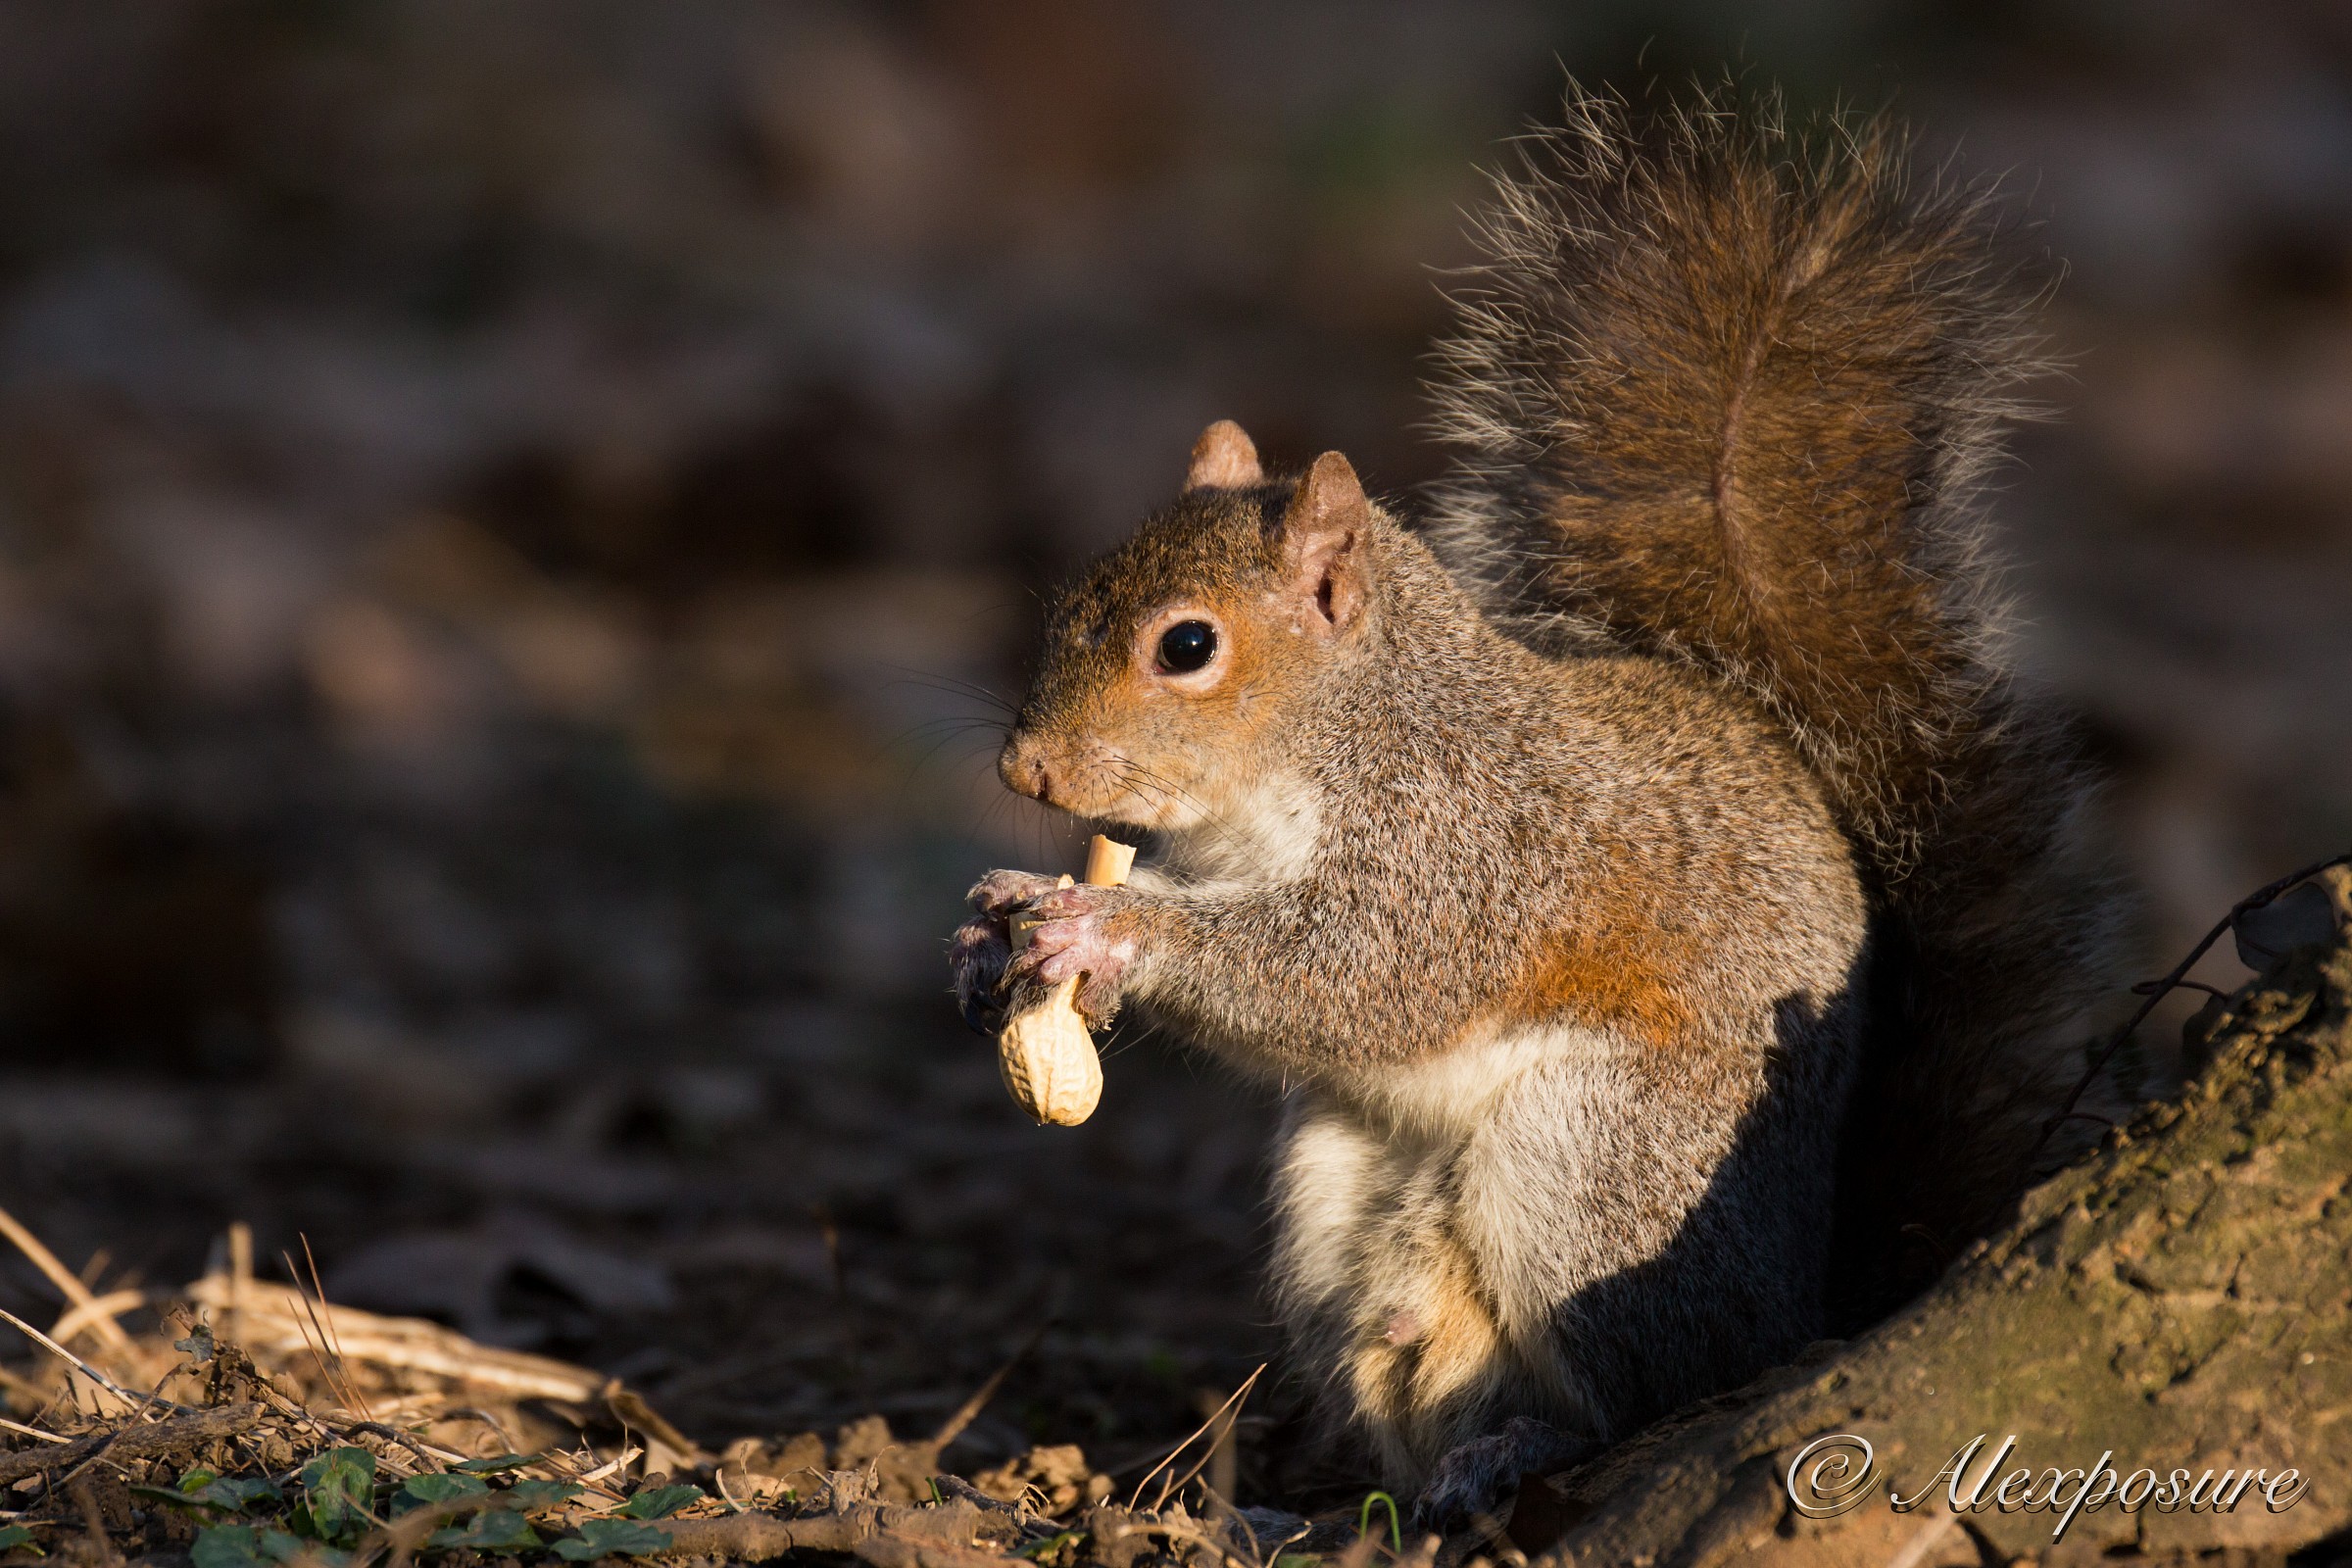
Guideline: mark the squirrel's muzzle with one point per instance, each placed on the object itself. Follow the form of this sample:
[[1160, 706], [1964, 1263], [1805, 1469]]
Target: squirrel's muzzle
[[1022, 768]]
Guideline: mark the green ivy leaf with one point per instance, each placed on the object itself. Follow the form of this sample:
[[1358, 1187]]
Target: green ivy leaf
[[227, 1546], [13, 1536], [659, 1502], [338, 1487], [492, 1530], [535, 1497], [422, 1492], [232, 1492], [492, 1466], [201, 1490], [256, 1546], [604, 1538]]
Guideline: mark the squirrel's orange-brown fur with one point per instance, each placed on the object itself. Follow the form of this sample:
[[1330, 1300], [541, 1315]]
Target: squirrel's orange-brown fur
[[1667, 916]]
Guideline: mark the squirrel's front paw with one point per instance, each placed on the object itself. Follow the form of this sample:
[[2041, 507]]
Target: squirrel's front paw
[[982, 946], [1084, 934], [977, 955]]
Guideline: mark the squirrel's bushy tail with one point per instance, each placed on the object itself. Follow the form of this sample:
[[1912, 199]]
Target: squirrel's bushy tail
[[1728, 394]]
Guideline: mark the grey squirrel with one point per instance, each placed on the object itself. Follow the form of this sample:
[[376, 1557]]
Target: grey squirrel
[[1668, 921]]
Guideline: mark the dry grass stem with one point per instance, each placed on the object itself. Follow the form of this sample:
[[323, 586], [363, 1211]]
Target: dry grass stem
[[130, 1398], [1232, 1402], [275, 1319], [77, 1295]]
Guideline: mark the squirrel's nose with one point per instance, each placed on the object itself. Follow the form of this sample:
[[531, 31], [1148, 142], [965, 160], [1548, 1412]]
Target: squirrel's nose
[[1022, 766]]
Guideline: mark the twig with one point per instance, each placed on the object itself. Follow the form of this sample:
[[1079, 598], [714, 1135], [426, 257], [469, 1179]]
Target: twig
[[32, 1431], [1197, 1432], [327, 1330], [497, 1428], [1182, 1533], [137, 1418], [2158, 990], [1220, 1428], [2149, 988], [240, 1277], [406, 1533], [436, 1459], [763, 1536], [79, 1364], [330, 1360], [273, 1318], [136, 1443], [1259, 1551], [595, 1477], [968, 1411], [831, 1232], [77, 1293]]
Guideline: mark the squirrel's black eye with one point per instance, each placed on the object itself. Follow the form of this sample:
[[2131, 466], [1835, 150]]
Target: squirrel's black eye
[[1186, 646]]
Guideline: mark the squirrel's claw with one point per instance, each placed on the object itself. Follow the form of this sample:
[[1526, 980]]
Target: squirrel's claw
[[1000, 893]]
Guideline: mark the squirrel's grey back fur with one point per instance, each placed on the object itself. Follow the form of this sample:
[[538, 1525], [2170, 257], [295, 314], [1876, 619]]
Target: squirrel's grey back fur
[[1728, 394]]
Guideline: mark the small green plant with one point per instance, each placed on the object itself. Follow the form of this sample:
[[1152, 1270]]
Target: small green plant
[[337, 1491], [13, 1537], [1363, 1525], [340, 1497], [1053, 1549]]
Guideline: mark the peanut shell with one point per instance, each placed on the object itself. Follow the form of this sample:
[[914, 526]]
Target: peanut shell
[[1048, 1059]]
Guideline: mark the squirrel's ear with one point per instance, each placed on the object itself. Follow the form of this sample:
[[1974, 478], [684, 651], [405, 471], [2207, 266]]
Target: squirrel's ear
[[1323, 539], [1224, 459]]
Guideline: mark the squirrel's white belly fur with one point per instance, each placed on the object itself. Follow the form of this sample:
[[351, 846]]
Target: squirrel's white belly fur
[[1429, 1233]]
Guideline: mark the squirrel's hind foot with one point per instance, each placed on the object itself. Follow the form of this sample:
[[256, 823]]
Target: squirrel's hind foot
[[1473, 1481]]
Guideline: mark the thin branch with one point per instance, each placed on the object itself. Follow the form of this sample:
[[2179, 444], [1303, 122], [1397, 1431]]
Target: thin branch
[[2158, 990], [32, 1432], [965, 1414]]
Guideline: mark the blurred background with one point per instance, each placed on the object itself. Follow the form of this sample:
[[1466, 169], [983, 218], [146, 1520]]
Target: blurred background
[[510, 515]]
